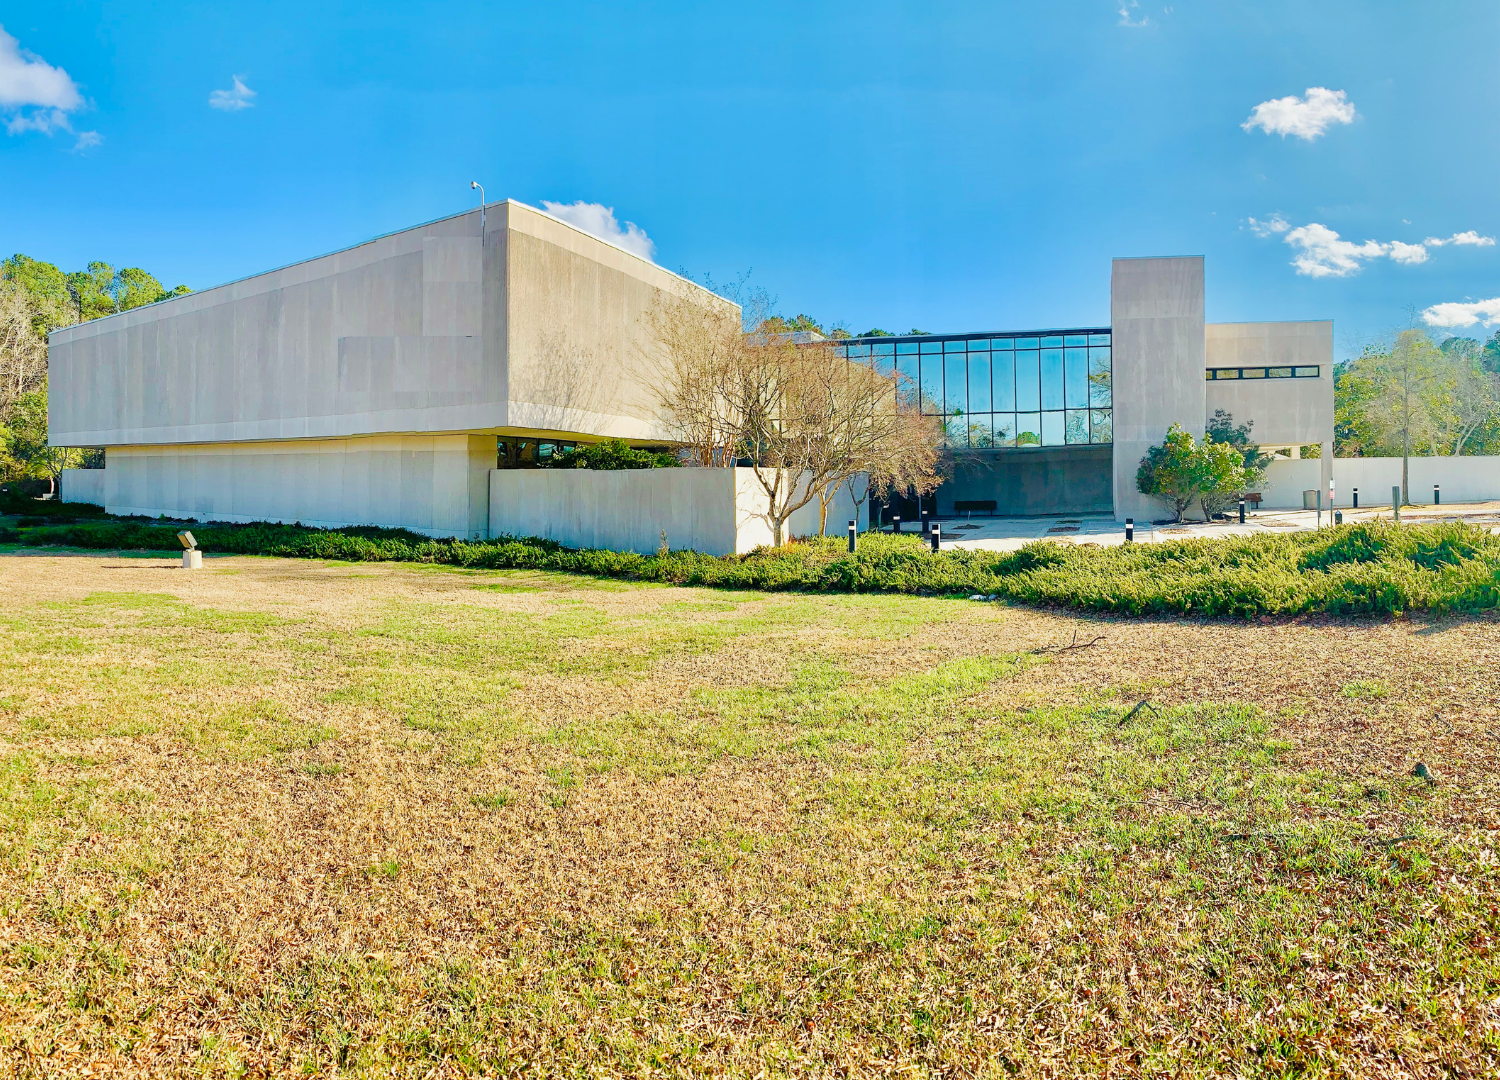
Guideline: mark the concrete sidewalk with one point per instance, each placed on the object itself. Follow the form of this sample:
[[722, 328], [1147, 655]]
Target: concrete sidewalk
[[1010, 534]]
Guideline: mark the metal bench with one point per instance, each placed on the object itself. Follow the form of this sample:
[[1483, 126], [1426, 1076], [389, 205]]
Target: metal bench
[[975, 506]]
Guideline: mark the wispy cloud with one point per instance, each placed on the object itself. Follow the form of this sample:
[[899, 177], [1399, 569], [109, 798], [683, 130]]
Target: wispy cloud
[[87, 140], [1128, 8], [237, 97], [1321, 252], [1305, 117], [599, 220], [1468, 313], [34, 95], [1461, 239]]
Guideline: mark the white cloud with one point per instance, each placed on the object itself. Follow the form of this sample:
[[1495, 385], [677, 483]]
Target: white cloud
[[1323, 253], [1306, 118], [237, 97], [600, 220], [1408, 254], [1127, 17], [87, 140], [34, 95], [1460, 239], [1272, 226], [1466, 314]]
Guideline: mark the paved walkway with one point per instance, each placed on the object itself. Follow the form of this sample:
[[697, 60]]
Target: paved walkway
[[1010, 534]]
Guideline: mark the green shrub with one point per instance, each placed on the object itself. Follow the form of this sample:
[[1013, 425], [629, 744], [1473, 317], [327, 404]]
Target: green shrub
[[610, 454], [1376, 568]]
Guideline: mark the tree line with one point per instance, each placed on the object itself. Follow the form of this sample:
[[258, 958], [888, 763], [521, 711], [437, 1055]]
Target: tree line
[[37, 298]]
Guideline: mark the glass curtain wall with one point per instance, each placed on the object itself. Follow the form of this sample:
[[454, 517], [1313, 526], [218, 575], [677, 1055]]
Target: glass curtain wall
[[1004, 391]]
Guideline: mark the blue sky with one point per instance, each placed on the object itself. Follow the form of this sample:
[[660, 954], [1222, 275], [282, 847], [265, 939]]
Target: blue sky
[[946, 166]]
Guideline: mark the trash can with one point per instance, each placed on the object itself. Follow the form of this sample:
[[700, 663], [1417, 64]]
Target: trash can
[[1310, 499]]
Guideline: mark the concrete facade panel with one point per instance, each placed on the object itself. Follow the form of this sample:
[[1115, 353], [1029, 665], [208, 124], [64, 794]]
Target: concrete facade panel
[[1286, 412], [1157, 335]]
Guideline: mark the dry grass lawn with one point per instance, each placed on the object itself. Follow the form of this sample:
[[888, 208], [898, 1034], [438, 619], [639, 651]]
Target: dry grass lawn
[[287, 818]]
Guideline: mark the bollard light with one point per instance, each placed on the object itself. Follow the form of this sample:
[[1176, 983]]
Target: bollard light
[[926, 525], [1129, 530], [937, 535], [1437, 496], [895, 523], [853, 532], [192, 558], [1242, 511], [1356, 498]]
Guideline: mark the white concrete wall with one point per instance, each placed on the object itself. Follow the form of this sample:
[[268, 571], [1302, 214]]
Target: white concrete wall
[[534, 329], [1157, 334], [1463, 479], [81, 486], [1287, 412], [435, 485], [715, 511]]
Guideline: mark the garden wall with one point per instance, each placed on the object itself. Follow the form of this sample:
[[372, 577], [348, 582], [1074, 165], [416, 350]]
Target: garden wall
[[715, 511], [1462, 479]]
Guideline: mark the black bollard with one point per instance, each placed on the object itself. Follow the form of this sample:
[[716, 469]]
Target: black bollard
[[925, 526], [937, 535], [1356, 498], [853, 532], [1129, 530], [1437, 496], [895, 523], [1242, 511]]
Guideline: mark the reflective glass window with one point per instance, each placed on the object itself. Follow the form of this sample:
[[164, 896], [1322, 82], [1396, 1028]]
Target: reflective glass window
[[907, 368], [979, 431], [1305, 372], [932, 384], [885, 364], [979, 382], [1028, 429], [1002, 343], [954, 346], [1227, 373], [956, 392], [1053, 342], [858, 350], [1098, 339], [979, 345], [1076, 378], [1279, 373], [1102, 431], [1253, 373], [1075, 339], [1003, 376], [1026, 343], [1028, 383], [1052, 379], [906, 347], [932, 346], [1004, 427], [883, 350], [1077, 426], [1099, 378], [1052, 429]]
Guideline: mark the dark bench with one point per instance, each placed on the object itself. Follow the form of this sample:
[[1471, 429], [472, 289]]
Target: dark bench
[[1252, 497], [975, 506]]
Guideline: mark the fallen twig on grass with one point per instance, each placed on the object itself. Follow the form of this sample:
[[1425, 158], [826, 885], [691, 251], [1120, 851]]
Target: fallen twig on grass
[[1072, 645], [1139, 705]]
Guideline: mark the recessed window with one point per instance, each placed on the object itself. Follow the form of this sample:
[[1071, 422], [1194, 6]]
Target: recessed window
[[1279, 373], [1305, 373], [1253, 373]]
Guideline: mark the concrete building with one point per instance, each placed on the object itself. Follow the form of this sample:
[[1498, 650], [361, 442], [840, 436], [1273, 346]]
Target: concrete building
[[383, 384], [1056, 421], [368, 386]]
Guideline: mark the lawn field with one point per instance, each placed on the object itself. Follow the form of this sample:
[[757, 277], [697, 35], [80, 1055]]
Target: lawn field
[[291, 817]]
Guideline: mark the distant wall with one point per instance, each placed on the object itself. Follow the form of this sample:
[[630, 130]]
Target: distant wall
[[715, 511], [1463, 479], [81, 486], [432, 484]]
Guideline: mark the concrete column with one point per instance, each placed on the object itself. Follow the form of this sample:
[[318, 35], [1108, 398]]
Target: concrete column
[[1157, 320]]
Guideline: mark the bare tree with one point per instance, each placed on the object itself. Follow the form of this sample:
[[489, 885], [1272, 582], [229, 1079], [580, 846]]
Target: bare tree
[[23, 354], [1400, 408], [694, 349]]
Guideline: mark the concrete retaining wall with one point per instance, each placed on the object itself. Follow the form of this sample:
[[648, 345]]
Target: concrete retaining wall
[[81, 486], [715, 511], [1463, 479]]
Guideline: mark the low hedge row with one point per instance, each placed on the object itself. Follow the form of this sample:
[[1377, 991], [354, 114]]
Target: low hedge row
[[1378, 568]]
